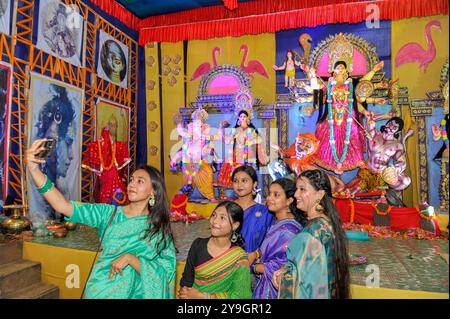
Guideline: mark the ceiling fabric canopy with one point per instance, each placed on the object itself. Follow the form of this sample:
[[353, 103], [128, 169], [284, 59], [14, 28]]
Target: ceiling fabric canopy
[[219, 18]]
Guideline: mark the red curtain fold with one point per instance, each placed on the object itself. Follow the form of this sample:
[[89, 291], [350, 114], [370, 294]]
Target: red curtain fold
[[245, 9], [230, 4], [339, 13], [117, 11]]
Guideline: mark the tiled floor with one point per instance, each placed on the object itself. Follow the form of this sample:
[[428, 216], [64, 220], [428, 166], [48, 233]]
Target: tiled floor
[[403, 263]]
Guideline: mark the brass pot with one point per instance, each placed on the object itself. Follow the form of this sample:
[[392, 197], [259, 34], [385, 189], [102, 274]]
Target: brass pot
[[70, 225], [16, 223]]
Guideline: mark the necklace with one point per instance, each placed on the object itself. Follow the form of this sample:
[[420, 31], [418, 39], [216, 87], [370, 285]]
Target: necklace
[[113, 159], [331, 122]]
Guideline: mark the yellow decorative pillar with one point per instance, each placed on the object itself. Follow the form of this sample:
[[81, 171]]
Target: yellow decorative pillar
[[153, 106], [173, 97]]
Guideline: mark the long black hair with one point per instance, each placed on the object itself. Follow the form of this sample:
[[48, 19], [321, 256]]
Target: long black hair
[[322, 104], [289, 188], [320, 181], [159, 216], [235, 214], [250, 125]]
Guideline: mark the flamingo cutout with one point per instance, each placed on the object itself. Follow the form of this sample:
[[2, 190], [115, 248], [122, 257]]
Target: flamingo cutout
[[413, 52], [205, 67], [253, 66]]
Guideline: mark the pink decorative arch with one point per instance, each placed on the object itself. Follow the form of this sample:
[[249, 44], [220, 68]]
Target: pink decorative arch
[[359, 64], [224, 84]]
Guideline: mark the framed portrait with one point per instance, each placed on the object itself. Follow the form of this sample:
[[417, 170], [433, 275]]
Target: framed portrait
[[112, 60], [60, 31], [5, 117], [56, 112], [5, 16], [116, 117]]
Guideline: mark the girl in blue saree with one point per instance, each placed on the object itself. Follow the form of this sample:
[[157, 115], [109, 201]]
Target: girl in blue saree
[[138, 256], [272, 254], [257, 218], [318, 262]]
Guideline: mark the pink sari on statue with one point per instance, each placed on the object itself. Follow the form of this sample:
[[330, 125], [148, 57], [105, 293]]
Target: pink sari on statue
[[355, 152]]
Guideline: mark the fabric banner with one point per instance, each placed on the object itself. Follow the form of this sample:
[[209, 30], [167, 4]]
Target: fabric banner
[[5, 16], [5, 112], [55, 112], [113, 57], [60, 31]]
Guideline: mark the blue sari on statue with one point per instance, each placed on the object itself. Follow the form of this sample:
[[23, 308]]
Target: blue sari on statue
[[257, 221]]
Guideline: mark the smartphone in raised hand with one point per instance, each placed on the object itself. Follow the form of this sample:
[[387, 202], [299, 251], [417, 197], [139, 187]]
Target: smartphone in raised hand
[[49, 145]]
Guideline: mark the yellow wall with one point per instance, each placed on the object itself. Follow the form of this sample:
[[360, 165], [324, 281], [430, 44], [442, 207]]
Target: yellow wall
[[261, 48], [418, 82]]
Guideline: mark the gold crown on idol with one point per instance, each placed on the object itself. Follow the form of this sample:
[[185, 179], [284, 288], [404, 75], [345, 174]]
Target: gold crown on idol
[[243, 101], [340, 50]]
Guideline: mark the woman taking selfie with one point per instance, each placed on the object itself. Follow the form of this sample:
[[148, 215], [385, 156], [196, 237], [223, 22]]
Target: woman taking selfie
[[137, 260]]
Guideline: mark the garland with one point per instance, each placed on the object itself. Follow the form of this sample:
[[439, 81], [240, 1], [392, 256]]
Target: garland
[[331, 122], [444, 132], [113, 159], [379, 212]]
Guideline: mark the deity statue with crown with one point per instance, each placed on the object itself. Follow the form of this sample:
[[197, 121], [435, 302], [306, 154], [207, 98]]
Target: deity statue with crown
[[243, 142], [195, 155], [339, 129]]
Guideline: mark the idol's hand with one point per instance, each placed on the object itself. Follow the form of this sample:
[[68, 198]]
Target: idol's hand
[[30, 155], [378, 66], [119, 264]]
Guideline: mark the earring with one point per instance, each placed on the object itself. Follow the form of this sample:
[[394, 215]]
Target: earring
[[319, 208], [234, 237], [151, 201]]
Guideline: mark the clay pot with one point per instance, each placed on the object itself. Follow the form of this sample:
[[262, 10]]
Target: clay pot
[[60, 233]]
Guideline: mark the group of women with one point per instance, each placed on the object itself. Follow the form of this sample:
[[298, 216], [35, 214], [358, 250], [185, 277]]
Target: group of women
[[294, 247]]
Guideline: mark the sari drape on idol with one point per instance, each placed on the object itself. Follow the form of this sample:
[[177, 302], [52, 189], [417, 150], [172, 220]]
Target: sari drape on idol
[[309, 272], [273, 255], [226, 276], [156, 279]]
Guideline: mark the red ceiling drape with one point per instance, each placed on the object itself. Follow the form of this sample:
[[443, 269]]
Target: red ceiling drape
[[262, 16]]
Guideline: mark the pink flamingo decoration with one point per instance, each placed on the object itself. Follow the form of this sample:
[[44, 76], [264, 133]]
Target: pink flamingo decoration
[[205, 67], [253, 66], [413, 52]]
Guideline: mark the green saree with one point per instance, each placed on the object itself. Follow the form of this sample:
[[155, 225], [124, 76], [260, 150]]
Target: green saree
[[157, 272], [226, 276]]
